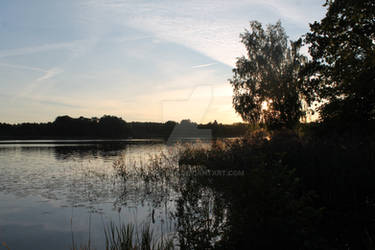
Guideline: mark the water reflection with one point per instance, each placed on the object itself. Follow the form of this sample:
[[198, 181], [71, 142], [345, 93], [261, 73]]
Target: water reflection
[[198, 211], [45, 188], [201, 215], [76, 174]]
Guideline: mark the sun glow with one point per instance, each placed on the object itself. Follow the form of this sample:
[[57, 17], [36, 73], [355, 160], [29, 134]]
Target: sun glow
[[266, 104]]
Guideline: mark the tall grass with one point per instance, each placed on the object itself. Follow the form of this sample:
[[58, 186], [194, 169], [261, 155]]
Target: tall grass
[[154, 179], [126, 237], [297, 192]]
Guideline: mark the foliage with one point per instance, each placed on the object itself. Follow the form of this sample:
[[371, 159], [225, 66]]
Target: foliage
[[342, 72], [314, 192], [290, 192], [264, 207], [265, 84]]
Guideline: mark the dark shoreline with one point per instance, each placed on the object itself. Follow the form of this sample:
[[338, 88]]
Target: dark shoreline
[[78, 141]]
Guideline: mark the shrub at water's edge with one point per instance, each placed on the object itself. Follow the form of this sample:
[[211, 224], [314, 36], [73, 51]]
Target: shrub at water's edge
[[283, 189], [298, 192]]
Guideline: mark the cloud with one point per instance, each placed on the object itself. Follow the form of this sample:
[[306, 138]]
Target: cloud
[[36, 49], [125, 39], [209, 27], [30, 89], [144, 51], [203, 65], [22, 67], [49, 74], [301, 12], [76, 48]]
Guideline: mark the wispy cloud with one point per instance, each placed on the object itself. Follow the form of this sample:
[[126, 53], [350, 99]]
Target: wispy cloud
[[202, 65], [30, 88], [49, 101], [22, 67], [76, 48], [209, 27], [300, 12], [36, 49], [125, 39], [49, 74]]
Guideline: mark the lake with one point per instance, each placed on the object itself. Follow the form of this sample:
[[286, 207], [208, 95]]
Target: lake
[[54, 193]]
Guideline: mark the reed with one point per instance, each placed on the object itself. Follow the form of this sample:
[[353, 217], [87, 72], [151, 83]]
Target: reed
[[126, 237]]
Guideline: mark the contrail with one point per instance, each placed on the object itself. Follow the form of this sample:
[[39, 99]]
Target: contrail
[[22, 67], [203, 65]]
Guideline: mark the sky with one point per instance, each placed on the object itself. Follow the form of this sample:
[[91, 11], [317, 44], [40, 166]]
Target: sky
[[142, 60]]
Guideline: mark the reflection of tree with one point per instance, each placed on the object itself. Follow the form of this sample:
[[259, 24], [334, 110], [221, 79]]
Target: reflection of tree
[[200, 216], [80, 175], [72, 183], [198, 212], [89, 151]]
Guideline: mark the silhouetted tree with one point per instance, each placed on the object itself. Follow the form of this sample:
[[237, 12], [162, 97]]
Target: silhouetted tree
[[265, 83], [112, 126], [342, 72]]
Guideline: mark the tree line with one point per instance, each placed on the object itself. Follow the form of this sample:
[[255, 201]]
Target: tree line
[[112, 127]]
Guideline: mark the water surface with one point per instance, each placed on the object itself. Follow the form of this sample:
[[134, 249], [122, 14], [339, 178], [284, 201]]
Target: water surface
[[53, 193]]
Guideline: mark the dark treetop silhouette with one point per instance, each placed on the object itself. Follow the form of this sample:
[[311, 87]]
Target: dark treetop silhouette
[[342, 70]]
